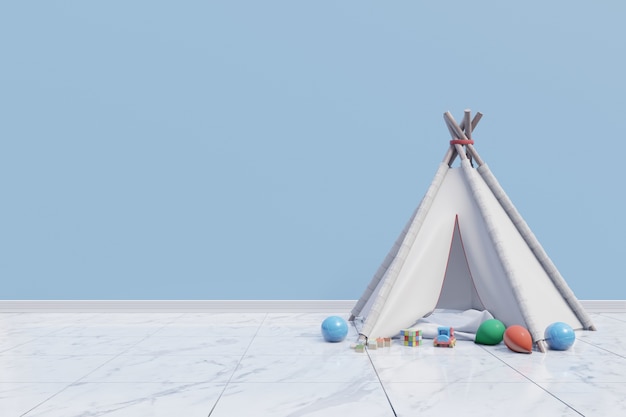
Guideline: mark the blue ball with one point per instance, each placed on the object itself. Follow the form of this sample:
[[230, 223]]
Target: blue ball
[[334, 329], [559, 336]]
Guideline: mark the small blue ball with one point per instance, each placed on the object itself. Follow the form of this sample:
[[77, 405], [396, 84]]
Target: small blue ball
[[559, 336], [334, 329]]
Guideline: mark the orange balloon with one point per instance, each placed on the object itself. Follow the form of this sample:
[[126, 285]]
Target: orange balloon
[[518, 339]]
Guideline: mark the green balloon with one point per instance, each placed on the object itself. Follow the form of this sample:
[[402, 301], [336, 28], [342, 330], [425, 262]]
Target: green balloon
[[490, 332]]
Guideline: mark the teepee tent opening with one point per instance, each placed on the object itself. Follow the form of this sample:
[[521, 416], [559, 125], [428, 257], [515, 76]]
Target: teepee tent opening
[[467, 247]]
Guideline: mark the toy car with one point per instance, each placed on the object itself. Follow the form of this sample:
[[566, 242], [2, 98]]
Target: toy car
[[445, 337]]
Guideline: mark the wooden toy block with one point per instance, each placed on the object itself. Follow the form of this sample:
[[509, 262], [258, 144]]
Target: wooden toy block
[[380, 342], [360, 347], [387, 341]]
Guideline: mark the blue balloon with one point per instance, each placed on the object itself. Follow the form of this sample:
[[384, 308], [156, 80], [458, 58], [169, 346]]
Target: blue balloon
[[559, 336], [334, 329]]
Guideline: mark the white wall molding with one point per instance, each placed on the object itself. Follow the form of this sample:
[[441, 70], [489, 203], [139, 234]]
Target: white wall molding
[[265, 306], [146, 306], [604, 306]]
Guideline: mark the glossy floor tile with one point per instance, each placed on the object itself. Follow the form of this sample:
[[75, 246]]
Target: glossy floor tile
[[131, 400], [475, 399], [308, 399], [277, 364]]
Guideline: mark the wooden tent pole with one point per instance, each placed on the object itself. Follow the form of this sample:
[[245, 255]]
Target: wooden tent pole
[[467, 124], [454, 127], [475, 155], [467, 128], [476, 119], [470, 147], [459, 150], [449, 156]]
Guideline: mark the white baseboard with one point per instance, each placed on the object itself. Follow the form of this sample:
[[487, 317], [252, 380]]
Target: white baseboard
[[155, 306], [604, 306], [260, 306]]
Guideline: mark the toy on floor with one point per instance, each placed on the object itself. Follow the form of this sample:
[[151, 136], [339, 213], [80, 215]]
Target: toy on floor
[[410, 337], [334, 329], [559, 336], [445, 337], [490, 332], [518, 339], [379, 343]]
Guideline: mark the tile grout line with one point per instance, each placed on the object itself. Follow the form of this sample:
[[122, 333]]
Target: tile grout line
[[50, 334], [103, 364], [237, 366], [611, 317], [601, 348], [533, 382], [2, 352], [380, 381], [393, 410]]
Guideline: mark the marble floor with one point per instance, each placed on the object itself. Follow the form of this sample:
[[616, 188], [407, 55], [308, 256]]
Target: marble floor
[[276, 364]]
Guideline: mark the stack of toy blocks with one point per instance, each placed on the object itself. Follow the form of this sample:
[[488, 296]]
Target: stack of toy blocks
[[411, 337], [383, 342], [380, 342]]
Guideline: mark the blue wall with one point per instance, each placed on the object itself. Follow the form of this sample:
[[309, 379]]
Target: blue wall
[[273, 150]]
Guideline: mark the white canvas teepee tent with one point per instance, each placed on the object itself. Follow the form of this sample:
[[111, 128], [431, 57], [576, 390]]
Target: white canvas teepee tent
[[467, 247]]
